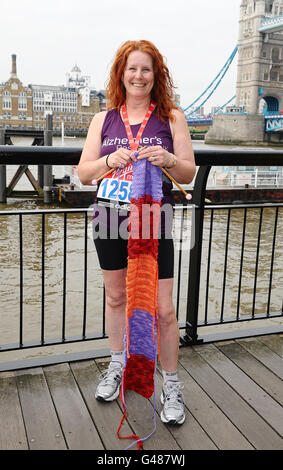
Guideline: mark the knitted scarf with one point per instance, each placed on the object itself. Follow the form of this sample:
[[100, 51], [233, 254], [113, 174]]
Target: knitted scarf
[[141, 337]]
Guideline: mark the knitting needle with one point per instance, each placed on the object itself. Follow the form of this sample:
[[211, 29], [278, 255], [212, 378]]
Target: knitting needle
[[94, 182], [188, 196]]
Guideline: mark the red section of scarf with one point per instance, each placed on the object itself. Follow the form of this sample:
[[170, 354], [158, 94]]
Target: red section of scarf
[[139, 375], [144, 227]]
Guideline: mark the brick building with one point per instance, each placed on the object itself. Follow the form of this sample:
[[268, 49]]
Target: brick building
[[15, 102], [27, 107]]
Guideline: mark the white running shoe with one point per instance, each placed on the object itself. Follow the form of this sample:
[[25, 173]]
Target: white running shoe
[[173, 403], [109, 387]]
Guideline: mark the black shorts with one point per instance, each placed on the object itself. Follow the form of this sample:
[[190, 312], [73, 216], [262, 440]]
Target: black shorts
[[113, 254]]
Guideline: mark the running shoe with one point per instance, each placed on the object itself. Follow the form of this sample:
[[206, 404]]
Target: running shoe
[[109, 387], [173, 403]]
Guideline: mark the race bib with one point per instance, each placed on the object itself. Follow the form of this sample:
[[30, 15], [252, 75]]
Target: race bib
[[115, 189]]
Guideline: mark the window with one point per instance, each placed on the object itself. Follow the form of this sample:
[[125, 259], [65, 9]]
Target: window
[[274, 76], [7, 103], [275, 55], [22, 101]]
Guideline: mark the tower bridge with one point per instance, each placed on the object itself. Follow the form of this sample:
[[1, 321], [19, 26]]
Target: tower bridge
[[257, 113]]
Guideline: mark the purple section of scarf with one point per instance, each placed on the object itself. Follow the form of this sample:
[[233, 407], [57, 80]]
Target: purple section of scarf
[[140, 330], [147, 180]]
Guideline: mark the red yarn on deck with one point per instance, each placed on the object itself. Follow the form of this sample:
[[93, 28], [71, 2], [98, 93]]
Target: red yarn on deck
[[136, 381], [125, 415]]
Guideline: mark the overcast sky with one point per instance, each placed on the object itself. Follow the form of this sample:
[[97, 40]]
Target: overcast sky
[[195, 36]]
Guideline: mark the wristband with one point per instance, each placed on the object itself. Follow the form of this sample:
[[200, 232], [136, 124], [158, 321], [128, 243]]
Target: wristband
[[107, 164], [173, 164]]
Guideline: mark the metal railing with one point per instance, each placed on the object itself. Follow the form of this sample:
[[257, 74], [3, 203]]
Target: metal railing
[[244, 178], [194, 265]]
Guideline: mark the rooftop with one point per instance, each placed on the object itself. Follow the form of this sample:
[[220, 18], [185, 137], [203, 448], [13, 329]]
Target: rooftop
[[76, 69]]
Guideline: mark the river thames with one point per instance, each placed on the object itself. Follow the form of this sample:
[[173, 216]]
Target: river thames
[[32, 280]]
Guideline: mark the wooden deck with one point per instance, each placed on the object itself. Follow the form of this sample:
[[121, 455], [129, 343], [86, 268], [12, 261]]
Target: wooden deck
[[233, 392]]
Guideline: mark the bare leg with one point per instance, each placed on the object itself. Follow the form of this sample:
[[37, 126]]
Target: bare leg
[[173, 411], [169, 330], [115, 291]]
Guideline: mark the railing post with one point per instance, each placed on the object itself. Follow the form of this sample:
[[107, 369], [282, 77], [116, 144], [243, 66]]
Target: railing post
[[191, 336], [3, 177], [47, 188]]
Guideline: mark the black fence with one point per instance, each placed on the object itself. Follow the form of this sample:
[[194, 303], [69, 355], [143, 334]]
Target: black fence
[[223, 252]]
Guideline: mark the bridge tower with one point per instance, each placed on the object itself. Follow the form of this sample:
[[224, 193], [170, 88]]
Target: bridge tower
[[259, 88], [260, 56]]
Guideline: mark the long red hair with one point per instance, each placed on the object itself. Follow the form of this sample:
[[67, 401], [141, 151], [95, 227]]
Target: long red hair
[[162, 92]]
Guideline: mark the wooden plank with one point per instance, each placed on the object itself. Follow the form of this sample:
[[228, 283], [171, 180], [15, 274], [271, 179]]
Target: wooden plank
[[141, 420], [249, 423], [273, 342], [41, 422], [261, 352], [79, 430], [254, 369], [12, 434], [190, 435], [106, 416], [262, 403], [218, 429]]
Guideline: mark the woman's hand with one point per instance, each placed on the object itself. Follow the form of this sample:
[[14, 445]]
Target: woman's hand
[[157, 156], [120, 158]]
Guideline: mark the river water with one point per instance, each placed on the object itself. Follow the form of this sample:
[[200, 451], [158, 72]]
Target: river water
[[32, 273]]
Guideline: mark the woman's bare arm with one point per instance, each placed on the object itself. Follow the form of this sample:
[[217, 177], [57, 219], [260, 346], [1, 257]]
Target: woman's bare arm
[[91, 166]]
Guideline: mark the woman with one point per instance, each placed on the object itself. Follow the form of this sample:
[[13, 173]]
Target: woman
[[139, 77]]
